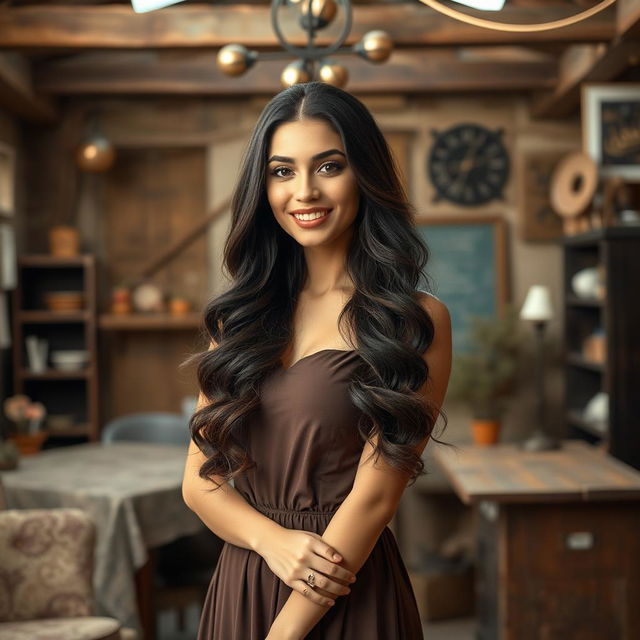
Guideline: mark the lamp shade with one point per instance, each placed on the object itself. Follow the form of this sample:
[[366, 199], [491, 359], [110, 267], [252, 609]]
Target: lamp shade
[[485, 5], [142, 6], [537, 304]]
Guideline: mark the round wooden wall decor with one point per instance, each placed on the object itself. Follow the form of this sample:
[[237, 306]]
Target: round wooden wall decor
[[573, 184]]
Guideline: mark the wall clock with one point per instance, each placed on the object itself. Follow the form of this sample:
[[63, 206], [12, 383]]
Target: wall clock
[[468, 164]]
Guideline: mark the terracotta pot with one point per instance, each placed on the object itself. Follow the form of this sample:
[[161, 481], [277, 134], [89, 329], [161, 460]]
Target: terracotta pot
[[485, 432], [64, 242], [29, 444], [179, 306]]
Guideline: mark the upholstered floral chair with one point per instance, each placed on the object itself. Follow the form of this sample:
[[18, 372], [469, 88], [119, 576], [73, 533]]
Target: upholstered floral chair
[[46, 566]]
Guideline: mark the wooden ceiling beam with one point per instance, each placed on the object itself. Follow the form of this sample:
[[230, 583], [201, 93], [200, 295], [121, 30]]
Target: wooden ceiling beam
[[17, 94], [628, 18], [593, 63], [580, 64], [197, 26], [195, 73]]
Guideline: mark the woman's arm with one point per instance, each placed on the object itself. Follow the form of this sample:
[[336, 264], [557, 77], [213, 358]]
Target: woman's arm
[[374, 498], [224, 510], [232, 518]]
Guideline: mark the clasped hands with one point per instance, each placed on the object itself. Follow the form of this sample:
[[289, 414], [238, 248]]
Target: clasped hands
[[294, 554]]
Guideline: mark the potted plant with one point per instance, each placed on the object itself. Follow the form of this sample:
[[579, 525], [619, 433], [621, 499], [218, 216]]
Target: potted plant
[[483, 377], [27, 417]]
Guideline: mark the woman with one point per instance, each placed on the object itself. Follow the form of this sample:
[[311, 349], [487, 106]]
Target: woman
[[324, 379]]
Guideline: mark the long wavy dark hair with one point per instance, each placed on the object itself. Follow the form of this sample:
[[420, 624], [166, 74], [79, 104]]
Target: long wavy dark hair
[[251, 321]]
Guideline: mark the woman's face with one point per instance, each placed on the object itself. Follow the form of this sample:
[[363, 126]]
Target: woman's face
[[307, 169]]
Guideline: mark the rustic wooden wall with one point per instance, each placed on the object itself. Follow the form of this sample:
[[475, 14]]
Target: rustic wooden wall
[[152, 198], [220, 128]]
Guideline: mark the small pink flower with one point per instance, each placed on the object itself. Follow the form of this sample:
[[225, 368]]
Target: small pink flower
[[15, 407], [35, 411]]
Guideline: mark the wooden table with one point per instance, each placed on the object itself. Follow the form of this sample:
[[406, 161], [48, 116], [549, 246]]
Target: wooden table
[[133, 492], [558, 540]]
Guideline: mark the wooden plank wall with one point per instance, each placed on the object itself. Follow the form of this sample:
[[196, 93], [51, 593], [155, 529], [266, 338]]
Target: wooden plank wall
[[152, 197], [220, 127]]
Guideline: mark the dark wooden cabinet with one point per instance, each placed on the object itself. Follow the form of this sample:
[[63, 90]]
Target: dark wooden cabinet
[[71, 393], [616, 252]]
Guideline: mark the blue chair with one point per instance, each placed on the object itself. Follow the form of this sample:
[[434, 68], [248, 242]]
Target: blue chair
[[183, 568], [153, 427]]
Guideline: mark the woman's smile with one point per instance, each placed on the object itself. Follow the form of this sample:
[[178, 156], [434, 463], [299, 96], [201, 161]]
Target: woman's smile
[[310, 218]]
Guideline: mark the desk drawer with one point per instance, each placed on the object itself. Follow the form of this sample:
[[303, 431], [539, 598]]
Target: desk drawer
[[557, 540], [569, 571]]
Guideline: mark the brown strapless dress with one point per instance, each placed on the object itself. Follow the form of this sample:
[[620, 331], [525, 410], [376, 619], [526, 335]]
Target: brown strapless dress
[[307, 450]]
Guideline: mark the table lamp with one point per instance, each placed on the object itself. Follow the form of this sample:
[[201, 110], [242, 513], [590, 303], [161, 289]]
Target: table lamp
[[537, 309]]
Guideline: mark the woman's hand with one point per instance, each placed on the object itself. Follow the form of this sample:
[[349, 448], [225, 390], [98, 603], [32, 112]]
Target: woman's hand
[[292, 555]]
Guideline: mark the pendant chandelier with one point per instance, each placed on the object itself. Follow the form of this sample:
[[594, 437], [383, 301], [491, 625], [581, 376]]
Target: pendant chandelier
[[317, 63], [313, 62]]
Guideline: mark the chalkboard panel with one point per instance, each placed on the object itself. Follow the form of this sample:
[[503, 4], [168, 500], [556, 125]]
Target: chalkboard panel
[[467, 268]]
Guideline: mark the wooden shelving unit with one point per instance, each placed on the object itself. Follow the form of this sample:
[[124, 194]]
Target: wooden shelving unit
[[62, 392], [148, 321], [617, 251]]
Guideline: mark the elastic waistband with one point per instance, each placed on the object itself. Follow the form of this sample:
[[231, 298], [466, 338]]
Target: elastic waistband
[[272, 510]]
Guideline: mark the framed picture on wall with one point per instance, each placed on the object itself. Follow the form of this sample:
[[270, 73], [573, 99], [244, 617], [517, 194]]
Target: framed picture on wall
[[611, 128], [7, 180], [467, 267]]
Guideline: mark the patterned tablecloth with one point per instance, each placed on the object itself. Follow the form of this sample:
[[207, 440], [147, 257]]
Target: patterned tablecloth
[[132, 490]]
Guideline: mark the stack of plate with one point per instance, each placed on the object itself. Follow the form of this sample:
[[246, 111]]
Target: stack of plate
[[64, 300], [69, 360], [60, 421]]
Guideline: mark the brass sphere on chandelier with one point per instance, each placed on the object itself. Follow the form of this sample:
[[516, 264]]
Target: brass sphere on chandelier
[[312, 62], [234, 59], [375, 46], [296, 72], [333, 73], [322, 11]]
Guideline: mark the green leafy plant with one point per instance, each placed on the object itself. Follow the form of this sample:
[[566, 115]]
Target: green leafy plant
[[484, 377]]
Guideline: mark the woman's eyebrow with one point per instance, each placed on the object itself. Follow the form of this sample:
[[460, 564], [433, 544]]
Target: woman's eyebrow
[[318, 156]]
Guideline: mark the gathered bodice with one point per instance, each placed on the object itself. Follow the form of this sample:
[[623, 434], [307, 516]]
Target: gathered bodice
[[304, 437]]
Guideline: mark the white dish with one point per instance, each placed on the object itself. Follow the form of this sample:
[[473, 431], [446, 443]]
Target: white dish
[[69, 356], [585, 283]]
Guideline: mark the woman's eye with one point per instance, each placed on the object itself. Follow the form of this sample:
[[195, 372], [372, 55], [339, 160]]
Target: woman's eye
[[275, 171], [335, 166]]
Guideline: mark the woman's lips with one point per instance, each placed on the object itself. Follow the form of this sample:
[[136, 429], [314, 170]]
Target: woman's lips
[[309, 224]]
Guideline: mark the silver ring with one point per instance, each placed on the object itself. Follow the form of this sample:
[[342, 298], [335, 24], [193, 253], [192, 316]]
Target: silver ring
[[311, 580]]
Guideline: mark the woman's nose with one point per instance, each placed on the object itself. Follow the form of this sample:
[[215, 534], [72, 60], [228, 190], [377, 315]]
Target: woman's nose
[[306, 190]]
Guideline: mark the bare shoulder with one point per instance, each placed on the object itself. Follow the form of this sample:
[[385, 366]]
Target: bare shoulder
[[439, 354], [437, 310]]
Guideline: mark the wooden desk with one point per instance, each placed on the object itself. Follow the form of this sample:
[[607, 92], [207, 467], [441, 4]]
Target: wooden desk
[[558, 541]]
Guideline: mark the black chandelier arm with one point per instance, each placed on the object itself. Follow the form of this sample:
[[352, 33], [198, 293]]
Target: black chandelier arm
[[310, 52], [308, 55]]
